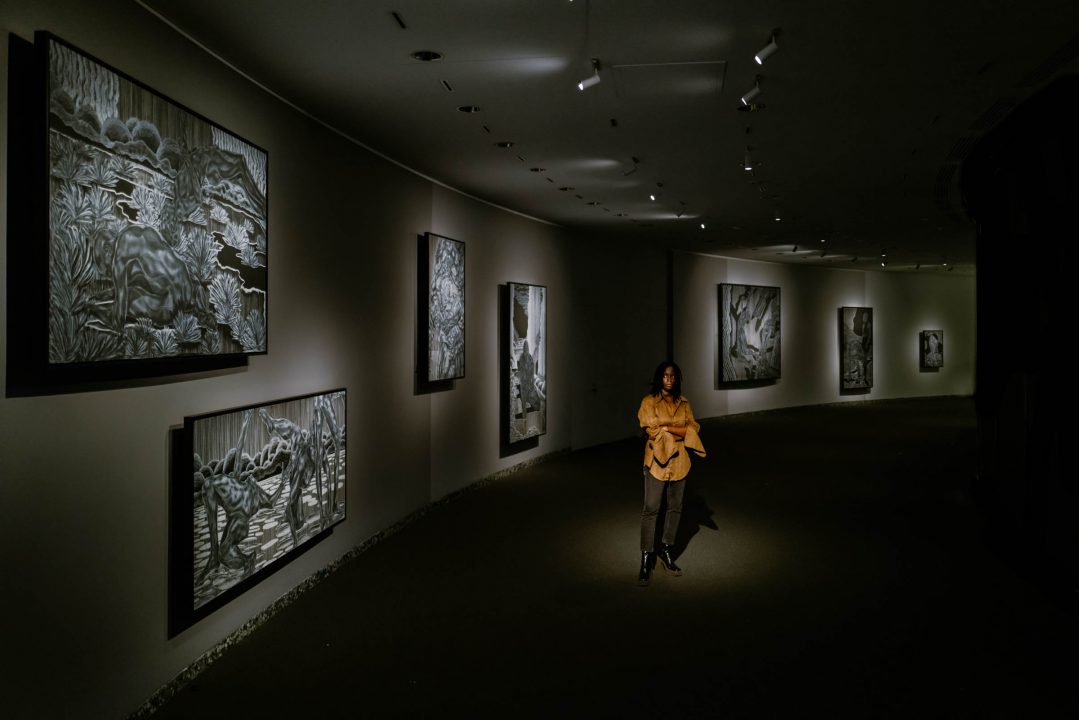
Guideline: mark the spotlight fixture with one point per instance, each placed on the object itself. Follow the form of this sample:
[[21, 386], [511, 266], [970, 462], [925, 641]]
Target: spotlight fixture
[[592, 79], [753, 91], [765, 51], [702, 226], [652, 197], [778, 217], [795, 249], [747, 162]]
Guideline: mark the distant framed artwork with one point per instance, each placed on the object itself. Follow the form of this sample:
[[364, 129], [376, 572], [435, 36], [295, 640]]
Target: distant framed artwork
[[932, 349], [856, 348], [749, 345], [157, 222], [527, 361], [444, 357], [252, 487]]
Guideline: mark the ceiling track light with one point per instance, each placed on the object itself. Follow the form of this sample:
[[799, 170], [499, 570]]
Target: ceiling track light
[[753, 91], [767, 50], [592, 79], [747, 163], [778, 217]]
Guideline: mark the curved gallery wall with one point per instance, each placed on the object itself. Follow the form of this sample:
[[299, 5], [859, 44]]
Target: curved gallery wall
[[903, 305], [84, 476]]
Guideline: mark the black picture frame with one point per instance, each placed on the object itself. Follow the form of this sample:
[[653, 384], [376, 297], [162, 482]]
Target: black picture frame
[[143, 243], [441, 311], [931, 350], [525, 386], [275, 475], [855, 349], [749, 333]]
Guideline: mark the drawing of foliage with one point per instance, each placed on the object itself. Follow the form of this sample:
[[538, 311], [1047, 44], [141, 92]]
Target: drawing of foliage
[[165, 342], [197, 216], [137, 342], [124, 167], [219, 214], [211, 342], [70, 207], [252, 335], [260, 243], [149, 203], [236, 234], [102, 173], [71, 269], [249, 256], [187, 329], [71, 168], [225, 297], [200, 251]]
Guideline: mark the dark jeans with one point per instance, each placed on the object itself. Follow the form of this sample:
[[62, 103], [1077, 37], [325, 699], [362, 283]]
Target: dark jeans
[[653, 496]]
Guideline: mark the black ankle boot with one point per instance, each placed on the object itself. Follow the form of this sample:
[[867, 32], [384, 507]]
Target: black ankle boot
[[645, 575], [668, 561]]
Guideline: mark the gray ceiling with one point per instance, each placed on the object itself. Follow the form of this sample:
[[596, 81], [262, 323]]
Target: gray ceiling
[[866, 111]]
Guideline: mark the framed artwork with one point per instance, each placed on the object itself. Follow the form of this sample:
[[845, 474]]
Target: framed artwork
[[749, 332], [856, 348], [157, 222], [252, 487], [932, 349], [527, 361], [445, 308]]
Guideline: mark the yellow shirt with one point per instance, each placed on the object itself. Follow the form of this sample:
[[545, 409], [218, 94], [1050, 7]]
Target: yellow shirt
[[667, 456]]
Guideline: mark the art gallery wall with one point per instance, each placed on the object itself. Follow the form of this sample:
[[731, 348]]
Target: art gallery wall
[[84, 475], [903, 304], [619, 319], [500, 247]]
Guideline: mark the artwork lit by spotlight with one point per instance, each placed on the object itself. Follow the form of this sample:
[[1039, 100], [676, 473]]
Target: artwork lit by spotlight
[[157, 223], [749, 332], [856, 348], [445, 308], [527, 361], [932, 349], [267, 479]]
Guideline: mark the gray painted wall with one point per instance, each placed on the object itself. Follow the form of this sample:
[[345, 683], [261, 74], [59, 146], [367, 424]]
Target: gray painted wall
[[84, 476], [903, 304]]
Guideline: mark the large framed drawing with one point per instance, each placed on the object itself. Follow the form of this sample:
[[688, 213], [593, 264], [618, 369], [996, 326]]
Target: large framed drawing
[[444, 358], [252, 487], [157, 222], [856, 348], [931, 355], [749, 332], [527, 361]]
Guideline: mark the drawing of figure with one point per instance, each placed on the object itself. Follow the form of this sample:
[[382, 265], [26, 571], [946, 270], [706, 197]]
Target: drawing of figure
[[300, 469], [933, 355]]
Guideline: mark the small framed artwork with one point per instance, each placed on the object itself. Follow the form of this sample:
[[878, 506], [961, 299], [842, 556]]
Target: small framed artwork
[[526, 361], [932, 349], [442, 273], [856, 348], [749, 332], [155, 224], [252, 488]]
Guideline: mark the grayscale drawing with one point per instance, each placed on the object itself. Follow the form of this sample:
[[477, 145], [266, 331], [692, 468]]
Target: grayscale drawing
[[932, 344], [157, 223], [749, 332], [266, 480], [527, 361], [856, 360], [446, 308]]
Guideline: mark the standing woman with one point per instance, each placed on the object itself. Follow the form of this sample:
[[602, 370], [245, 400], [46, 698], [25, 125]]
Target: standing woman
[[672, 433]]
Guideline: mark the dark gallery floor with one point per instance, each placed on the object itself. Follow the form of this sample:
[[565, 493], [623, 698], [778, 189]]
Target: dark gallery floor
[[833, 564]]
